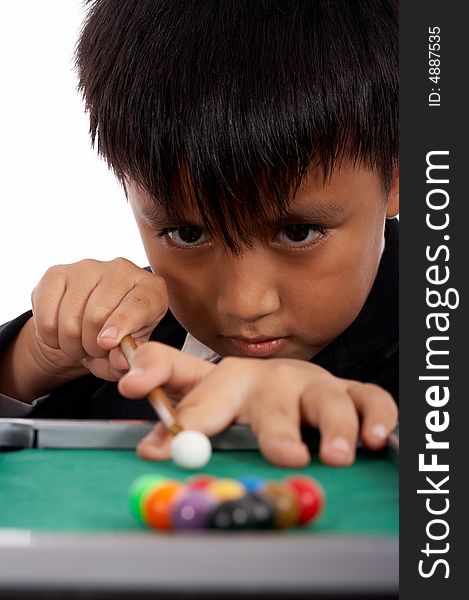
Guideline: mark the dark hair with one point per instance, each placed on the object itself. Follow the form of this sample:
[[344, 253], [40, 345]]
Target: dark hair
[[225, 104]]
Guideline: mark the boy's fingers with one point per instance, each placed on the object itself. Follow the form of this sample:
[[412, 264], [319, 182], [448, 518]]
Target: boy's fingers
[[213, 404], [112, 367], [118, 365], [216, 402], [70, 321], [378, 410], [156, 445], [46, 298], [136, 311], [102, 302], [141, 309], [209, 408], [329, 408], [275, 420], [156, 364]]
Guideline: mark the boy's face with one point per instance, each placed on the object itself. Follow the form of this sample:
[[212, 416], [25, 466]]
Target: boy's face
[[300, 285]]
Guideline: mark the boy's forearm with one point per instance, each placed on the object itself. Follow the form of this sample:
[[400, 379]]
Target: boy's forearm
[[26, 375]]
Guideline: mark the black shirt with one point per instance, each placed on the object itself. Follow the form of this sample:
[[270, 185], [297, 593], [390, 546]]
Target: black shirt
[[366, 351]]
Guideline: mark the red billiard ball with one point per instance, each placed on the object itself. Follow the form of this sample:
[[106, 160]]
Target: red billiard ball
[[199, 482], [310, 497]]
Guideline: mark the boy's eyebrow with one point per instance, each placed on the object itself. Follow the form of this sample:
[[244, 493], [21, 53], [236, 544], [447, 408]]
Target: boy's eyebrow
[[154, 214], [311, 211], [316, 210]]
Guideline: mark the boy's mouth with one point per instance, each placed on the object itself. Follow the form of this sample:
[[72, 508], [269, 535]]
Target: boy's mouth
[[257, 347]]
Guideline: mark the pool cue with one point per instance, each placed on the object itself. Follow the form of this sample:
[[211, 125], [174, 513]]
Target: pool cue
[[158, 399]]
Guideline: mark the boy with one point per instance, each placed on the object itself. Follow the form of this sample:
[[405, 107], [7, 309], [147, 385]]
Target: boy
[[257, 146]]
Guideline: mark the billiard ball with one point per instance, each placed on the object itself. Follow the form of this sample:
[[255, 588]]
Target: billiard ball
[[226, 489], [139, 490], [158, 504], [310, 496], [199, 482], [191, 449], [251, 511], [262, 510], [252, 483], [285, 501], [190, 510]]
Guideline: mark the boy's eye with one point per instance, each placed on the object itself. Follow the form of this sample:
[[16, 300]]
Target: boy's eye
[[185, 236], [299, 234]]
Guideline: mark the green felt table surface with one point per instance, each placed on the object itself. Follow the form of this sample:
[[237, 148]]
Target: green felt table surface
[[87, 490]]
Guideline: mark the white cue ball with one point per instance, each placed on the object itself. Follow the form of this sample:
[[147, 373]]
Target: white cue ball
[[191, 449]]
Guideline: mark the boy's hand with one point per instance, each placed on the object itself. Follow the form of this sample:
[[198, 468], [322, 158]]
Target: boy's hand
[[82, 311], [273, 396]]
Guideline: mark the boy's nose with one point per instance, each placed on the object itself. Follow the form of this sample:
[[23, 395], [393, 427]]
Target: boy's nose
[[247, 287]]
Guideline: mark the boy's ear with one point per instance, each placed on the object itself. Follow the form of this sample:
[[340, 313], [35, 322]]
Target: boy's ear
[[392, 209]]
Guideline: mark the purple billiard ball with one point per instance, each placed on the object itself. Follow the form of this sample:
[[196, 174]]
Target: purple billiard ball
[[192, 509]]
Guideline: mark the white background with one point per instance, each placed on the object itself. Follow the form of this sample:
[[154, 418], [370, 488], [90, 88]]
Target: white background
[[59, 202]]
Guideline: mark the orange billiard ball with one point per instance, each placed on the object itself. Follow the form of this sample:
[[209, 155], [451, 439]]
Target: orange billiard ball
[[158, 504]]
